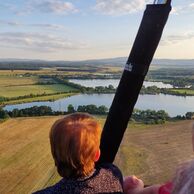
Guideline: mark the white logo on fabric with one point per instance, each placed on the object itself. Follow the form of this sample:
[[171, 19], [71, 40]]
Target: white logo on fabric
[[129, 67]]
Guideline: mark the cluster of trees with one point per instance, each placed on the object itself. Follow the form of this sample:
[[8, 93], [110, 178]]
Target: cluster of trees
[[181, 82], [188, 115], [92, 109], [46, 111], [32, 111], [26, 112], [155, 90], [150, 90], [143, 116], [3, 99], [150, 116], [3, 114]]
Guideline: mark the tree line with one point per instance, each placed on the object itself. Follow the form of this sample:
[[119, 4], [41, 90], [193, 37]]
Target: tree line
[[47, 111], [143, 116]]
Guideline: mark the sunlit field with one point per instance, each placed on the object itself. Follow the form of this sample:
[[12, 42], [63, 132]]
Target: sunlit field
[[151, 152], [13, 91]]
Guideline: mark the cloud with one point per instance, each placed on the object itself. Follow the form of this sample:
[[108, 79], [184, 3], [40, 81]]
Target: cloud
[[176, 39], [187, 8], [39, 42], [9, 23], [191, 6], [55, 6], [43, 25], [45, 6], [119, 7]]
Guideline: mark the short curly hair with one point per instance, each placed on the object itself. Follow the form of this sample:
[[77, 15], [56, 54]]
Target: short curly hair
[[74, 140]]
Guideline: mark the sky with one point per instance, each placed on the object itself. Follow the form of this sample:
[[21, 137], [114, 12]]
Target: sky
[[88, 29]]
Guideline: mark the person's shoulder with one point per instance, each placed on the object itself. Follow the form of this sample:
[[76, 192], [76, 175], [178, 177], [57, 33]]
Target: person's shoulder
[[50, 190], [112, 170]]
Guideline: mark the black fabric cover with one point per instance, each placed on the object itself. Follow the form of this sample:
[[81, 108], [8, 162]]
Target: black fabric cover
[[146, 42]]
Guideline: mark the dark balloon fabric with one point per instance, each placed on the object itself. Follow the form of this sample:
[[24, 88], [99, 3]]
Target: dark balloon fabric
[[146, 42]]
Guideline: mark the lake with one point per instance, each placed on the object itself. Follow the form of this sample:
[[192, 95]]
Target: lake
[[174, 105], [114, 82]]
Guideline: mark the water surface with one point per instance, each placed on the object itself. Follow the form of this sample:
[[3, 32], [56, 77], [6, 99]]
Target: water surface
[[174, 105], [105, 82]]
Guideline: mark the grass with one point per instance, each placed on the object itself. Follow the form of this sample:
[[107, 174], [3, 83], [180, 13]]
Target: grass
[[22, 72], [54, 71], [6, 81], [15, 84], [184, 91], [150, 152], [14, 91], [163, 148], [40, 98]]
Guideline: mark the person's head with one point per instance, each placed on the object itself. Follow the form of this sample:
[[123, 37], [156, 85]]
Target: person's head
[[75, 143]]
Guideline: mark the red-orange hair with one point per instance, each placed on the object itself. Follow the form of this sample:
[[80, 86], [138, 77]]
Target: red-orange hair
[[74, 142]]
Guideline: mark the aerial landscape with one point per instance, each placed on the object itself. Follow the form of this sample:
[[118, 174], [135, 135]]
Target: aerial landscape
[[48, 70]]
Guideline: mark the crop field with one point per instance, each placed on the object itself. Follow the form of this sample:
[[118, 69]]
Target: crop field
[[6, 81], [13, 91], [68, 70], [22, 83], [18, 85], [150, 151], [22, 72], [51, 97]]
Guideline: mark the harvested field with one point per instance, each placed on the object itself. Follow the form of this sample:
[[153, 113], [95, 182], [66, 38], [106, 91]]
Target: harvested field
[[7, 81], [151, 152], [157, 150]]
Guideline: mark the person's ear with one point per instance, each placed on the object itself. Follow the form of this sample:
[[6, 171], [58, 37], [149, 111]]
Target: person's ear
[[97, 156]]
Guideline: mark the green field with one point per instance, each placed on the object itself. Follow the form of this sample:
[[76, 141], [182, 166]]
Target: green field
[[151, 152], [52, 97], [184, 91], [21, 84], [22, 90]]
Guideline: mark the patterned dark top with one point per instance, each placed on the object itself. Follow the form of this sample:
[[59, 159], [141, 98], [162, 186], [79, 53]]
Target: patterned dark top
[[106, 179]]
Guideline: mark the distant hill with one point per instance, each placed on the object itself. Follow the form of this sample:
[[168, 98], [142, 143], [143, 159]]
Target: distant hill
[[119, 62], [176, 63]]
